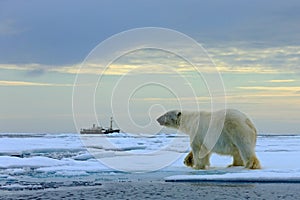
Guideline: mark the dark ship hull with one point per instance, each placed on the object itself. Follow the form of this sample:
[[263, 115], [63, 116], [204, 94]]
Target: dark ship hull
[[102, 131], [112, 131]]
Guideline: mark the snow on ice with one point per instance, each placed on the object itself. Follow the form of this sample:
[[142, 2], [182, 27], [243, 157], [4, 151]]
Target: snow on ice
[[53, 160]]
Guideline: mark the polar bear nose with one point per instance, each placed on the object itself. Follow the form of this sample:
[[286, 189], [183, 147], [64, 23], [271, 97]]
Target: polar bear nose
[[161, 120]]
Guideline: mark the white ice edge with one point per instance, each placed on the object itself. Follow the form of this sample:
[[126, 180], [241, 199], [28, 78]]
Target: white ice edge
[[260, 176], [278, 178]]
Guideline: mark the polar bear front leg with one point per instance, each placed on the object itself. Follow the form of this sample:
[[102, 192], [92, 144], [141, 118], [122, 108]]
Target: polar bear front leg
[[201, 158], [189, 160]]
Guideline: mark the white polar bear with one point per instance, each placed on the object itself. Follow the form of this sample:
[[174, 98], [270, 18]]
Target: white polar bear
[[236, 138]]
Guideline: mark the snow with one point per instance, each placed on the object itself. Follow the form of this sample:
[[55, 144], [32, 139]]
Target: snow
[[278, 156], [13, 145], [34, 162], [36, 159]]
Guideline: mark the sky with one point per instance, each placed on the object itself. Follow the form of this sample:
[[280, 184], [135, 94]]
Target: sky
[[255, 46]]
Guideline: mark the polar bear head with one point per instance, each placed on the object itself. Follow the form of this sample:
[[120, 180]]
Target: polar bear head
[[170, 119]]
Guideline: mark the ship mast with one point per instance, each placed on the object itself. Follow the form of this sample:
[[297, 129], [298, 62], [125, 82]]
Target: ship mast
[[111, 120]]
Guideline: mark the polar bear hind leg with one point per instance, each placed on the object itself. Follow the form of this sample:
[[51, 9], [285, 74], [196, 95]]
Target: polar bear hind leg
[[247, 154], [237, 159], [253, 163], [243, 136], [249, 157]]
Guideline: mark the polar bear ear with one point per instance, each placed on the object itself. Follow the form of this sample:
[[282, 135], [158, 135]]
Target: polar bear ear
[[178, 114]]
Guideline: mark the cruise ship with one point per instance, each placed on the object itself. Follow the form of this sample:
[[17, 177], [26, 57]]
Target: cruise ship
[[100, 130]]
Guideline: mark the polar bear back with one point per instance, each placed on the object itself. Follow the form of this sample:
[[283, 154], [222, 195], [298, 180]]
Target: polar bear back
[[236, 126]]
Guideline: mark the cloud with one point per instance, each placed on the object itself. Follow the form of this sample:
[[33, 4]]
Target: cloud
[[266, 88], [8, 27], [25, 83], [246, 69], [22, 67], [263, 59], [228, 59], [168, 99], [281, 81]]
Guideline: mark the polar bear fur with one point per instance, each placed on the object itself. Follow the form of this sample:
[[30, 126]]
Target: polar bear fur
[[236, 136]]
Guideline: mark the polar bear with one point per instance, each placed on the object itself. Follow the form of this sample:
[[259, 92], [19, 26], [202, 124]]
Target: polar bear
[[237, 136]]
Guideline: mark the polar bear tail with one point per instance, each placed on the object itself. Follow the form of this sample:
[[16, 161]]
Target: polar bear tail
[[251, 126]]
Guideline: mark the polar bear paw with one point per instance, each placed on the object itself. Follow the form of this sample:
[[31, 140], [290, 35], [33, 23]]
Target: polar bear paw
[[189, 160], [253, 163]]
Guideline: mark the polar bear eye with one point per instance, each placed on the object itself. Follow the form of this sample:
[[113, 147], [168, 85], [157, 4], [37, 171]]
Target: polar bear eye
[[178, 114]]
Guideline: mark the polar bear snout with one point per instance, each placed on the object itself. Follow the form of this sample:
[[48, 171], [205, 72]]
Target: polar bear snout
[[161, 120]]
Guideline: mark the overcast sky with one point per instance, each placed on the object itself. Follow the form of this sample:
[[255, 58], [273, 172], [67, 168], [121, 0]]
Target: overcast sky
[[255, 45]]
